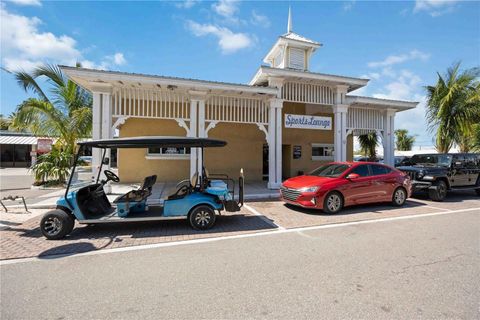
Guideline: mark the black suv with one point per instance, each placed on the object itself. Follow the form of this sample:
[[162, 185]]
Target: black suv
[[438, 173]]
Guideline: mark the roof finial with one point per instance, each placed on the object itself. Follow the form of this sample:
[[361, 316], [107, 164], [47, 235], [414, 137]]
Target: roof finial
[[289, 26]]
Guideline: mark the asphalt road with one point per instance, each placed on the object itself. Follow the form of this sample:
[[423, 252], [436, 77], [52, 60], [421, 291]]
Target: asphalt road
[[422, 267]]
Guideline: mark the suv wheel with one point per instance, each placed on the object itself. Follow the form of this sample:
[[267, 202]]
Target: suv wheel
[[440, 192]]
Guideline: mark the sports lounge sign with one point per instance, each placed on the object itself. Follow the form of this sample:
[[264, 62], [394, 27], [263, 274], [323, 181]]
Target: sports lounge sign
[[297, 121]]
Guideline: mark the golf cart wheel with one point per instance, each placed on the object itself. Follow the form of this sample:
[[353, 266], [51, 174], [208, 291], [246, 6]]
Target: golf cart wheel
[[399, 197], [440, 192], [333, 202], [56, 224], [202, 217]]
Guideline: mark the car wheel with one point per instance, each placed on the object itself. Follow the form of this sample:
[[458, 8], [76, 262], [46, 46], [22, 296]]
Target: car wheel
[[399, 197], [56, 224], [440, 192], [477, 191], [202, 217], [333, 202]]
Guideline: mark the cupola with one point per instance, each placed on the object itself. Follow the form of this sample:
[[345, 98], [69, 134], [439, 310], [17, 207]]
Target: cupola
[[291, 51]]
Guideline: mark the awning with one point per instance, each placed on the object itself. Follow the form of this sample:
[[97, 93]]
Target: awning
[[18, 140]]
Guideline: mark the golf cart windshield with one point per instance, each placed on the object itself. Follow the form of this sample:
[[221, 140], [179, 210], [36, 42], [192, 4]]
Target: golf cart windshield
[[444, 160], [330, 170]]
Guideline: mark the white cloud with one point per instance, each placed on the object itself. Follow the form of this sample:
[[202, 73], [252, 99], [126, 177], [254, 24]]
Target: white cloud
[[118, 59], [396, 59], [259, 20], [434, 7], [402, 87], [187, 4], [24, 46], [348, 5], [228, 41], [26, 2], [226, 8]]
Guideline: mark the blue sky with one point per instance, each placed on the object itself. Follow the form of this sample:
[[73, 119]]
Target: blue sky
[[398, 45]]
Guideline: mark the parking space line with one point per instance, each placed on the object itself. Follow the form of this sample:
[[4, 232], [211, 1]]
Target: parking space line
[[261, 216], [240, 236]]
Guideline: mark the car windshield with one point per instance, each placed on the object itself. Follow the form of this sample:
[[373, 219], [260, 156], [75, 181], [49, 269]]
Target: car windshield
[[443, 160], [330, 170]]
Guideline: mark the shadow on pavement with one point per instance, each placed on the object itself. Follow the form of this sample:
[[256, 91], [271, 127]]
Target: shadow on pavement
[[452, 196], [70, 249], [376, 207]]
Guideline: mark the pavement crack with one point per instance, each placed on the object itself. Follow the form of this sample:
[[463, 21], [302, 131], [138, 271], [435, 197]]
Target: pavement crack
[[447, 259]]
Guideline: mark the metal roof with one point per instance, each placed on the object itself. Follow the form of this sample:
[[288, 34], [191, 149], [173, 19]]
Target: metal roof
[[297, 37], [102, 75]]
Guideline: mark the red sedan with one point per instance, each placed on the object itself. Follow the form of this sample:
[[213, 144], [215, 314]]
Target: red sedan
[[339, 184]]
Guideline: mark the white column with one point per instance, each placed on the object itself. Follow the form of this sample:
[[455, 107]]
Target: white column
[[201, 132], [340, 134], [275, 143], [271, 148], [388, 137], [193, 133], [275, 126], [278, 142], [96, 131], [106, 132], [340, 110]]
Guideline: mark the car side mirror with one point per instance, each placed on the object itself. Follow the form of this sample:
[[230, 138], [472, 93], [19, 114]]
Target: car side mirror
[[353, 176]]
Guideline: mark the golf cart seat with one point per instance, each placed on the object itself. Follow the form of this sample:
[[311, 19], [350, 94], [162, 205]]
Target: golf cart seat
[[140, 194], [184, 189]]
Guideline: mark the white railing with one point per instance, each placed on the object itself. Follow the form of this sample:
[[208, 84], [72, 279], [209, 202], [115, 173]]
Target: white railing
[[149, 103], [236, 109], [364, 119], [308, 93]]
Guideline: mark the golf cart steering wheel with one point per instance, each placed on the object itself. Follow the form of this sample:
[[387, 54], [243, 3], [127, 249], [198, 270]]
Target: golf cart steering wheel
[[111, 176]]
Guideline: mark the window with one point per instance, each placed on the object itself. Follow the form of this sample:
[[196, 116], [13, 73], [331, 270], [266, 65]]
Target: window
[[378, 170], [322, 151], [297, 58], [361, 170], [330, 170], [472, 161], [168, 153]]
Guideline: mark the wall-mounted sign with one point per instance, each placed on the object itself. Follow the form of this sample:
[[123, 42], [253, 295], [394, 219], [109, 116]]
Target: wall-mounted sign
[[297, 152], [298, 121], [44, 145]]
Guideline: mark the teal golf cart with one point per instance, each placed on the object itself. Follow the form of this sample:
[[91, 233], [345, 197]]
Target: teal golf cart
[[197, 199]]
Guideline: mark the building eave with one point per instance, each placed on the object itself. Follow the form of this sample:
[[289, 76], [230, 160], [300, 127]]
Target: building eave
[[398, 105], [92, 78], [265, 72], [282, 40]]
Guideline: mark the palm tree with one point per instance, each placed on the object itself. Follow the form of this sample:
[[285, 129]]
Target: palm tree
[[404, 142], [66, 113], [453, 106], [368, 143]]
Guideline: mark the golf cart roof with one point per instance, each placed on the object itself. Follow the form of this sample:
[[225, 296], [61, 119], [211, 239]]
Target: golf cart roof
[[154, 141]]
